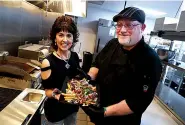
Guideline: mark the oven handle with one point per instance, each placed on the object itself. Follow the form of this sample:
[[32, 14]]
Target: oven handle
[[38, 86], [98, 44], [42, 106], [26, 119]]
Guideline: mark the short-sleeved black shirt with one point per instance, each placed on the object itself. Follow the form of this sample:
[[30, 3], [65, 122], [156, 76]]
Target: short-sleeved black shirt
[[55, 110], [127, 75]]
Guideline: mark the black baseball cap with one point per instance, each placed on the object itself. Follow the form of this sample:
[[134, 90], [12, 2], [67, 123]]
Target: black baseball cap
[[132, 13]]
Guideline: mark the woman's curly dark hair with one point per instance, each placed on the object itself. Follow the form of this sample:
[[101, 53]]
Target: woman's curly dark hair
[[64, 23]]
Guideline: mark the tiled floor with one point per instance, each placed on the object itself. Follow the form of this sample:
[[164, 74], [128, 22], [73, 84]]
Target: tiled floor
[[154, 115], [83, 119]]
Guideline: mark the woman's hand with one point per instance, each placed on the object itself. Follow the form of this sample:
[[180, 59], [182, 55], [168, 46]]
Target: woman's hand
[[57, 96]]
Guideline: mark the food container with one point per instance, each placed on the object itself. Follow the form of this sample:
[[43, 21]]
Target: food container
[[85, 93]]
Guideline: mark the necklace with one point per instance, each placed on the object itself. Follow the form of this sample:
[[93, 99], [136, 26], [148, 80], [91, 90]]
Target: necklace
[[65, 60]]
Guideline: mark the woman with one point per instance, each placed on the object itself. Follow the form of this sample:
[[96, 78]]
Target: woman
[[57, 68]]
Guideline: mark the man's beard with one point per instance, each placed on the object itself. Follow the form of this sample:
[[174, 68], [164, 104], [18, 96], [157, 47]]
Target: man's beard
[[124, 42]]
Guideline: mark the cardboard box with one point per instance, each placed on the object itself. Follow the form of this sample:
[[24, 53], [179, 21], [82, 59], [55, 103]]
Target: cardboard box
[[170, 27], [165, 23], [181, 24]]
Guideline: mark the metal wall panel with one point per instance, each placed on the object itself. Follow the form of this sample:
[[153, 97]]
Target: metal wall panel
[[10, 22], [48, 19], [21, 21], [164, 94], [177, 104], [31, 23], [10, 18], [175, 101]]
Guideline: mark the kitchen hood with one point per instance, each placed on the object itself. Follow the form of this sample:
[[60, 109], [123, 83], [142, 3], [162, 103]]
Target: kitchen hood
[[70, 7], [53, 5]]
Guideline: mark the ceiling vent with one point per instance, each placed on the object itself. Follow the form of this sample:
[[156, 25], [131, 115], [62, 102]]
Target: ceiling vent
[[53, 6], [96, 2]]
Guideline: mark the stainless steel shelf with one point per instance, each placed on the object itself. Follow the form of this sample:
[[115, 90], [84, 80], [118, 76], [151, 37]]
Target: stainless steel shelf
[[174, 66], [171, 35]]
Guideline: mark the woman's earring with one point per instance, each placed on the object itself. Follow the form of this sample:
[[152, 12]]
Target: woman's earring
[[55, 42]]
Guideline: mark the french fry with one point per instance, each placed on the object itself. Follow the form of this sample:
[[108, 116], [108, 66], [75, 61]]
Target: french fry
[[68, 86], [68, 95], [69, 99]]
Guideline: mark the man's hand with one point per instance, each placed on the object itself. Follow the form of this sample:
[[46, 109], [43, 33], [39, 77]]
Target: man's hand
[[82, 75], [95, 113]]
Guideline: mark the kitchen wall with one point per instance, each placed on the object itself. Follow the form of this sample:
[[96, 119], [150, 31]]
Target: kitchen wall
[[20, 22], [182, 8], [88, 27], [150, 22]]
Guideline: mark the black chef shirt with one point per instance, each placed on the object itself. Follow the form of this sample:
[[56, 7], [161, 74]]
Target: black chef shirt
[[127, 75]]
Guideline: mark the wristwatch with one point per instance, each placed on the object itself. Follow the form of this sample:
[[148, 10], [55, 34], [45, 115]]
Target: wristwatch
[[105, 109], [53, 94]]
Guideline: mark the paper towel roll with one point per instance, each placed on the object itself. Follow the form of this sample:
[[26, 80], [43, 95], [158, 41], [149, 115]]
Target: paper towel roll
[[44, 52]]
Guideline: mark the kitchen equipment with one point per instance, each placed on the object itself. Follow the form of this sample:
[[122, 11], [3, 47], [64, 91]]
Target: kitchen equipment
[[181, 24], [33, 97], [25, 109], [165, 23], [87, 61], [33, 51], [106, 31], [183, 58], [18, 73], [165, 55], [4, 53], [6, 96]]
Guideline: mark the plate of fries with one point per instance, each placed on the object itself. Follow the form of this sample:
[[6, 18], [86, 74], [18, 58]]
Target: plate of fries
[[81, 92]]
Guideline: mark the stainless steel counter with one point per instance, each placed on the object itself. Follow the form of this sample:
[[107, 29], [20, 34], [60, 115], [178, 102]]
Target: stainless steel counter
[[180, 67], [171, 89], [17, 111]]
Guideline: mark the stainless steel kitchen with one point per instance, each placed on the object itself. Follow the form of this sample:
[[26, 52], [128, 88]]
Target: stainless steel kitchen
[[26, 42]]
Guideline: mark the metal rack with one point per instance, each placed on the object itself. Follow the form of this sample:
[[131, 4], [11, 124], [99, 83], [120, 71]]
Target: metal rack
[[171, 89], [176, 78], [171, 35]]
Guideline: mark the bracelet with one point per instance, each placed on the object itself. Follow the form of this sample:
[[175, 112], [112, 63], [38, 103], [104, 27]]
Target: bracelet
[[53, 94], [105, 110]]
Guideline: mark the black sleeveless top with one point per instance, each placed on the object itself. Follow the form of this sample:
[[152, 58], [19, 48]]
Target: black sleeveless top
[[54, 110]]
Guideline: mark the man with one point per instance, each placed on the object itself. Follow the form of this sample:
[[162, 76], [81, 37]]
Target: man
[[126, 71]]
